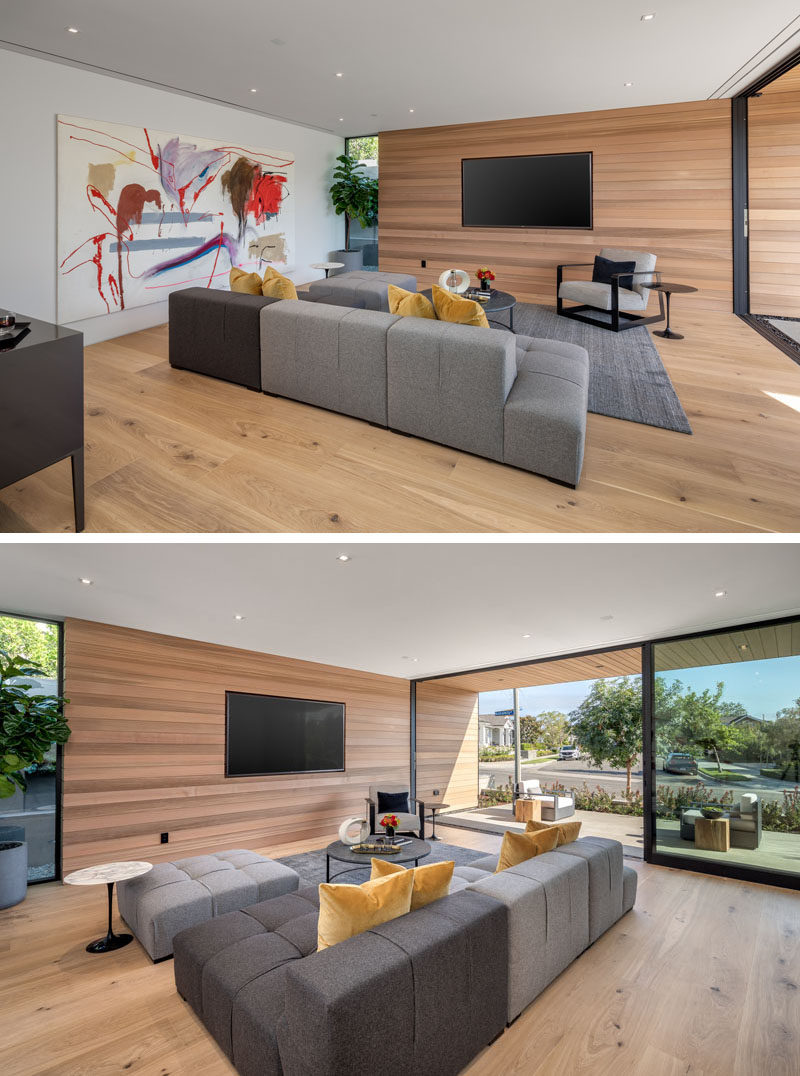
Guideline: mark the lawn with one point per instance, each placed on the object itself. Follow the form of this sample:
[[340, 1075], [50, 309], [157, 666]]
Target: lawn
[[723, 775]]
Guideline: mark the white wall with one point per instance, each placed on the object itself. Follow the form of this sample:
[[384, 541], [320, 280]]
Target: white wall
[[36, 91]]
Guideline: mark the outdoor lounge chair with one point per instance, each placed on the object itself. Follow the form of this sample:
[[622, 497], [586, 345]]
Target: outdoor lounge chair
[[555, 805]]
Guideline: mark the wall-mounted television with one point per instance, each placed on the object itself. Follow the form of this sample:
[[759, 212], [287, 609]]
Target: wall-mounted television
[[269, 734], [552, 190]]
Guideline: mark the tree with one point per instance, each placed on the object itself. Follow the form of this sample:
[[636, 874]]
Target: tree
[[364, 148], [702, 724], [530, 729], [554, 727], [29, 724], [354, 194], [607, 726], [28, 639]]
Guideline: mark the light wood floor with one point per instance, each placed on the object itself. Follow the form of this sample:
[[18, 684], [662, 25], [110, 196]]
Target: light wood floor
[[173, 451], [702, 977]]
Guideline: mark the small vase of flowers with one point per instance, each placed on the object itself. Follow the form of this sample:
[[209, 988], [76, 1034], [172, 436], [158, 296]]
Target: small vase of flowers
[[486, 276], [390, 822]]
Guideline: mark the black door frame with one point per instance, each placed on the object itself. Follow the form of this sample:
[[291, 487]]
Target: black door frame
[[741, 197], [651, 855]]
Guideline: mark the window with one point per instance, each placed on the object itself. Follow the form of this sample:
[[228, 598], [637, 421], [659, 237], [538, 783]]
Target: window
[[33, 815], [726, 751], [364, 148]]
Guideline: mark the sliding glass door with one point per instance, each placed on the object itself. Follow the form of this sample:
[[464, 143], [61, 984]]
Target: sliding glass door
[[724, 744], [33, 816]]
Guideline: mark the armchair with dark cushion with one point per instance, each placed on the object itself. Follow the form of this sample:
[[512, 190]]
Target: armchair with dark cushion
[[409, 821], [627, 306]]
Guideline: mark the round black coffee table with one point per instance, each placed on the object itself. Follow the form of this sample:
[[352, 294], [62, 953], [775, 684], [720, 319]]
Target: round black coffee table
[[499, 300], [670, 289], [412, 852]]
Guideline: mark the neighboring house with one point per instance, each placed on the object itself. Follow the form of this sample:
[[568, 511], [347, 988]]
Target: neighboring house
[[495, 730], [738, 720]]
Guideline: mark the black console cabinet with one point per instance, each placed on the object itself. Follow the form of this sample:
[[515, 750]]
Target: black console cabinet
[[41, 406]]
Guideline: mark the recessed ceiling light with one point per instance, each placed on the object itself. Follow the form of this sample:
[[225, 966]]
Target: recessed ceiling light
[[411, 110], [608, 616], [73, 30], [343, 557], [720, 593], [86, 582], [627, 83], [648, 18], [253, 89], [238, 616], [527, 635], [407, 657], [340, 74], [341, 119]]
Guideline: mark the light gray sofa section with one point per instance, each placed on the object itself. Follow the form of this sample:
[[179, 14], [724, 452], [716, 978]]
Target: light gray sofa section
[[174, 896], [559, 903], [370, 288], [449, 383], [329, 356], [508, 398]]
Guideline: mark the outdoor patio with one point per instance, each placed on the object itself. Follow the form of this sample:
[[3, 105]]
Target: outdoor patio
[[619, 827], [777, 851]]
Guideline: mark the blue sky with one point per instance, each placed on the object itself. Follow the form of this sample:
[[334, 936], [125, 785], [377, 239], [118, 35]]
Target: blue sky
[[762, 687]]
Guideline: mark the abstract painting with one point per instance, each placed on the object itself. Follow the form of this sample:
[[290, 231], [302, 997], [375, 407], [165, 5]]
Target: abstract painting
[[142, 212]]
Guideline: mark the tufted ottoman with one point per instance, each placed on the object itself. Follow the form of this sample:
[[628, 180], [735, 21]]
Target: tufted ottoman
[[173, 896], [370, 288]]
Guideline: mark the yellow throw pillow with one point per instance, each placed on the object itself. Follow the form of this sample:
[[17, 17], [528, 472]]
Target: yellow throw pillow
[[247, 283], [346, 910], [410, 304], [431, 881], [567, 831], [276, 286], [453, 308], [517, 847]]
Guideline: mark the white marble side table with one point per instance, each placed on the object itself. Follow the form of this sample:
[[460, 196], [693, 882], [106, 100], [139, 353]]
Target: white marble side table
[[108, 873], [327, 266]]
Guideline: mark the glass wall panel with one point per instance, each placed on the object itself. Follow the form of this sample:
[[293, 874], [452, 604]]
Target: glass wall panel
[[726, 740], [31, 815], [365, 149]]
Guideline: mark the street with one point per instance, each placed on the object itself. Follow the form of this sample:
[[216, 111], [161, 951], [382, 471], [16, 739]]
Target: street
[[574, 774]]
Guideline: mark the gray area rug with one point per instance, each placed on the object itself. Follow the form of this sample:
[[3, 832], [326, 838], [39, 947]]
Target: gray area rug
[[627, 378], [311, 865]]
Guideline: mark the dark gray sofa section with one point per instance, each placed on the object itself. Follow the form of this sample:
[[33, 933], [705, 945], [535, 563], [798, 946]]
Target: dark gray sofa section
[[217, 333], [279, 1008]]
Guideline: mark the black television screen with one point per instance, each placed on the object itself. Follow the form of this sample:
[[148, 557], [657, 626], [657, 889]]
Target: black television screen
[[547, 191], [267, 734]]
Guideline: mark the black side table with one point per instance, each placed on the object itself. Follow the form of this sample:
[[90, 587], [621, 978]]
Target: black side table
[[669, 289], [41, 405], [433, 808]]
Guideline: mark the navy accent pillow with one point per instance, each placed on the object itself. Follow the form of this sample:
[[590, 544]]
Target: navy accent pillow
[[603, 269], [392, 803]]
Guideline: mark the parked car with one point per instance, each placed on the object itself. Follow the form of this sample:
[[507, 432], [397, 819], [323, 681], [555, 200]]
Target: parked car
[[680, 762], [567, 751]]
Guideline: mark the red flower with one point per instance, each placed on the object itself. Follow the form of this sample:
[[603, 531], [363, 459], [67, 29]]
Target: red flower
[[390, 820]]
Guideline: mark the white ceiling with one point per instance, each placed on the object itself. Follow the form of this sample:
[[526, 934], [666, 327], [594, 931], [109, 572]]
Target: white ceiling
[[451, 605], [450, 62]]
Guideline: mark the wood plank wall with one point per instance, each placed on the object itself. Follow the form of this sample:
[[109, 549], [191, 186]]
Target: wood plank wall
[[146, 754], [447, 743], [774, 175], [662, 183]]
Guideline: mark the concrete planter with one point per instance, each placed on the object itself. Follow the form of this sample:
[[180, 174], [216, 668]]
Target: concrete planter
[[353, 260], [13, 873]]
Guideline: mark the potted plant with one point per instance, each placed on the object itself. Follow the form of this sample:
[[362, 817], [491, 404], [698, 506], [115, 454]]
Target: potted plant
[[355, 195], [29, 725]]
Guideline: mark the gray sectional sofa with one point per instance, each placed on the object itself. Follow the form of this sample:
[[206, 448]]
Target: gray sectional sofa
[[454, 973], [515, 399]]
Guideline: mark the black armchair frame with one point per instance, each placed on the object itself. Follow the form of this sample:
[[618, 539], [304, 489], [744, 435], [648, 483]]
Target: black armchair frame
[[620, 319], [373, 807]]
